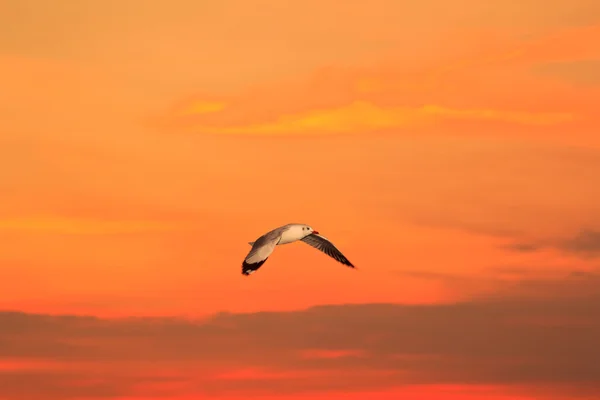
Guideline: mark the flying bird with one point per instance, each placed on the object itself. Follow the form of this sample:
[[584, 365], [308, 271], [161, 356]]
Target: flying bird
[[264, 245]]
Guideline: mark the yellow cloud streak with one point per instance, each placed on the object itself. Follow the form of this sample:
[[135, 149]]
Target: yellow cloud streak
[[360, 116], [73, 226]]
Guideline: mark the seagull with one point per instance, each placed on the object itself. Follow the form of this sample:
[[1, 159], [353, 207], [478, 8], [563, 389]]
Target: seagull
[[264, 245]]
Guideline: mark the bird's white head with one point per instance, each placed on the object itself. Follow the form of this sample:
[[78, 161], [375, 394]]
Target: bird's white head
[[307, 230]]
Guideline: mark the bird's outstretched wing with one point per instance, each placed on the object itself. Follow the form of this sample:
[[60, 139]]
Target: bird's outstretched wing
[[321, 243], [260, 251]]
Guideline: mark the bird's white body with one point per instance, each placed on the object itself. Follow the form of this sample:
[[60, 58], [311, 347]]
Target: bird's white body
[[294, 232], [289, 233]]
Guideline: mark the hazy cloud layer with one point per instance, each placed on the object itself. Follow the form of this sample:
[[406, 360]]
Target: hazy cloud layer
[[505, 340]]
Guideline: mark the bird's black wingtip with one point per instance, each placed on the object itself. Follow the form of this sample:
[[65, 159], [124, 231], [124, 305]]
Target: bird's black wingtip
[[249, 269], [347, 263]]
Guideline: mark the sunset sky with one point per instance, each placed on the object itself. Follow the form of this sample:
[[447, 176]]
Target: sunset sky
[[449, 148]]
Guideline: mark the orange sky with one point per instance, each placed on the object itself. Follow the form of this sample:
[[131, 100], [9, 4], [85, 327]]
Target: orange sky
[[448, 148]]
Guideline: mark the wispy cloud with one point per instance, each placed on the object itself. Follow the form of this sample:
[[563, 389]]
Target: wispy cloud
[[584, 73], [455, 88]]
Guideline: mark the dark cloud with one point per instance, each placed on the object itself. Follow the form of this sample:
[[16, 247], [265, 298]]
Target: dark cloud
[[585, 243], [508, 339], [515, 282]]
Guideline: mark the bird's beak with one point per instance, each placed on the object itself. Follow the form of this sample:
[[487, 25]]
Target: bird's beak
[[315, 232]]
